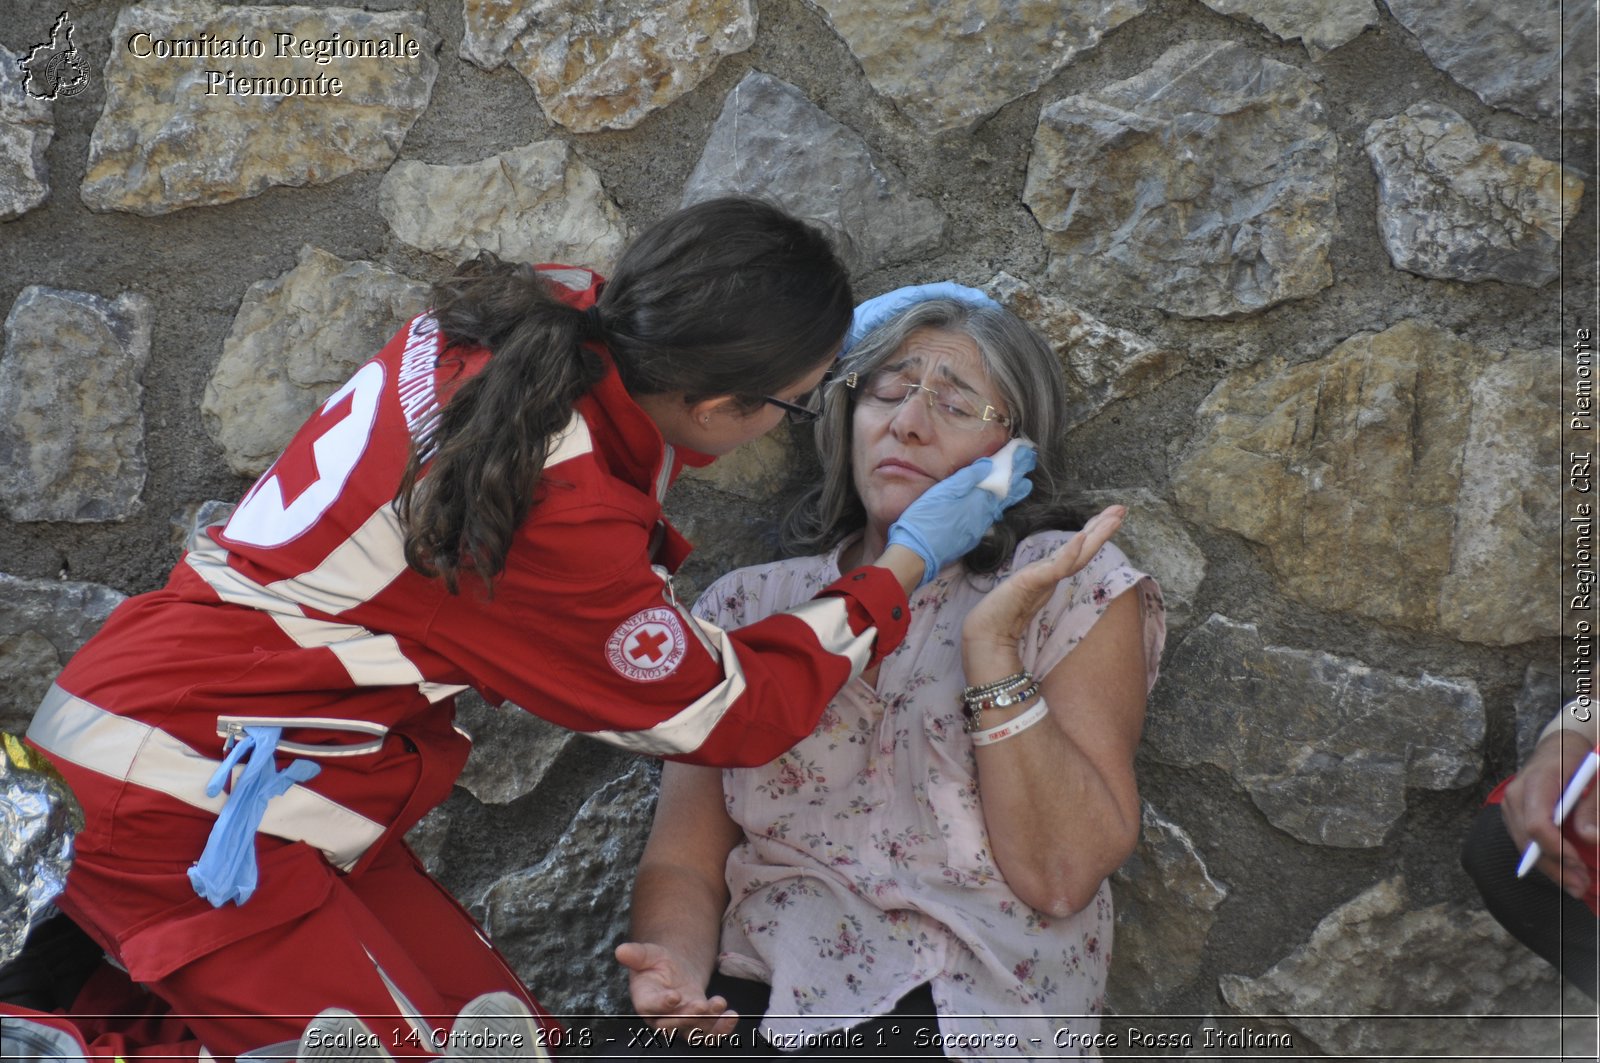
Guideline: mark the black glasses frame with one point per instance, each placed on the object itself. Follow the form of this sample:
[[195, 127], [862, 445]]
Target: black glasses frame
[[796, 413]]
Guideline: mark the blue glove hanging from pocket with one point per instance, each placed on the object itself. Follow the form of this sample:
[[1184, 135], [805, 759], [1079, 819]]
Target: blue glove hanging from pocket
[[226, 870]]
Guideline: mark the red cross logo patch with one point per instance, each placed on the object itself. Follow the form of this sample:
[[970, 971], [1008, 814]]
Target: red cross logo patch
[[647, 646]]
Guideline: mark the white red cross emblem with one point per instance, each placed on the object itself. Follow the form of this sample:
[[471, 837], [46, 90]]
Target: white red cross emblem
[[647, 646]]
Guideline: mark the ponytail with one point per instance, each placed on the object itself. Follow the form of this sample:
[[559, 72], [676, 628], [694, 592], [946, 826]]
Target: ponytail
[[727, 297], [494, 433]]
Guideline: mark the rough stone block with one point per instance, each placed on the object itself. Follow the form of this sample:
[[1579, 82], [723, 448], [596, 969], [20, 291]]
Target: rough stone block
[[72, 405], [296, 338], [182, 132], [771, 141], [1203, 186], [538, 203], [1326, 746], [1455, 205], [607, 66]]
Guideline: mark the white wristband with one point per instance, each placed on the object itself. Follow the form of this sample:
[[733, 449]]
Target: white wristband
[[1012, 727]]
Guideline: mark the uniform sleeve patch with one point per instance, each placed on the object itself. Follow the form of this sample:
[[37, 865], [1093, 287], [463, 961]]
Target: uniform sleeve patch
[[647, 646]]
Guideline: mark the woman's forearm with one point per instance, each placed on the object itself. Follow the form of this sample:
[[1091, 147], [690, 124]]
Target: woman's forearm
[[681, 911], [1059, 798], [679, 893], [907, 567], [1056, 826]]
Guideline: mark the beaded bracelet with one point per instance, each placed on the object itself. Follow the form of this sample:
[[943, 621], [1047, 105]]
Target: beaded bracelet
[[1012, 727], [1016, 680], [973, 710]]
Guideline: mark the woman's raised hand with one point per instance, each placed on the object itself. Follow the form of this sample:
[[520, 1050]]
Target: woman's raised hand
[[1000, 619]]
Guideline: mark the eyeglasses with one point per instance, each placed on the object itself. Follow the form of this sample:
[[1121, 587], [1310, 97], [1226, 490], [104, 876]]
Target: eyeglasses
[[805, 409], [951, 407]]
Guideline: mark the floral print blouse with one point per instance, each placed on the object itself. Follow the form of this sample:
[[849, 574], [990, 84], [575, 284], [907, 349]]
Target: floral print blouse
[[865, 869]]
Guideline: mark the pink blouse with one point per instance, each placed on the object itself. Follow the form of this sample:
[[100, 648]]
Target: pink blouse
[[865, 869]]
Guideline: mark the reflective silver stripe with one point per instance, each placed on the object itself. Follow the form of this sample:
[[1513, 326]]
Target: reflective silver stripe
[[356, 571], [114, 746], [370, 659], [573, 441], [210, 562], [664, 477], [578, 280], [688, 729], [829, 619]]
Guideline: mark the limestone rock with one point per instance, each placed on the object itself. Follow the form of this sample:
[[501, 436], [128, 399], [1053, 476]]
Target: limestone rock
[[1535, 57], [1166, 902], [1375, 956], [947, 66], [27, 126], [1508, 507], [71, 405], [296, 338], [1103, 363], [1536, 704], [1203, 186], [1320, 25], [175, 132], [772, 141], [607, 66], [1455, 205], [558, 921], [1157, 543], [1326, 746], [511, 749], [539, 203], [42, 623], [1406, 476]]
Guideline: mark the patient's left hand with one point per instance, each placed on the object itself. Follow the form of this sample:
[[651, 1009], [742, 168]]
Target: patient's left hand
[[665, 995], [999, 620]]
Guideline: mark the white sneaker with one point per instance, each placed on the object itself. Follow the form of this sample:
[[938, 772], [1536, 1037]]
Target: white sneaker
[[495, 1026], [338, 1034]]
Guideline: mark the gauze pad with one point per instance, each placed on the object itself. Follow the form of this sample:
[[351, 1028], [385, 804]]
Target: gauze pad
[[998, 482]]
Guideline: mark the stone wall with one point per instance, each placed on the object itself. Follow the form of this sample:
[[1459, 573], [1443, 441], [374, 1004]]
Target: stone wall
[[1310, 265]]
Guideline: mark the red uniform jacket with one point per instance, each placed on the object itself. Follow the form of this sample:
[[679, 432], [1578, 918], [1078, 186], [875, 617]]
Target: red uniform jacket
[[301, 612]]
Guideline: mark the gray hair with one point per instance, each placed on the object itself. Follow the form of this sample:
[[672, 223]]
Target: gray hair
[[1027, 374]]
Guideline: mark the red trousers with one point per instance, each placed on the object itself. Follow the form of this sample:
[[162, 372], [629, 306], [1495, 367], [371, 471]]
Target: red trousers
[[385, 942]]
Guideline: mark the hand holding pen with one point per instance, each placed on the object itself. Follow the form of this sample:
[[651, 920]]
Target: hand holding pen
[[1548, 790]]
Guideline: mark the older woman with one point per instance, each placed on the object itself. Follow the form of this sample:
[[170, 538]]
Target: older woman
[[939, 845]]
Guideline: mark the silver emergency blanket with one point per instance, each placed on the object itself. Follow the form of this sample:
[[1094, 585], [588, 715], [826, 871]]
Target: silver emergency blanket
[[38, 820]]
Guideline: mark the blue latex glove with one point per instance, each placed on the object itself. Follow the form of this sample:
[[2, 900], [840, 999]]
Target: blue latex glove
[[874, 312], [953, 514], [226, 870]]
